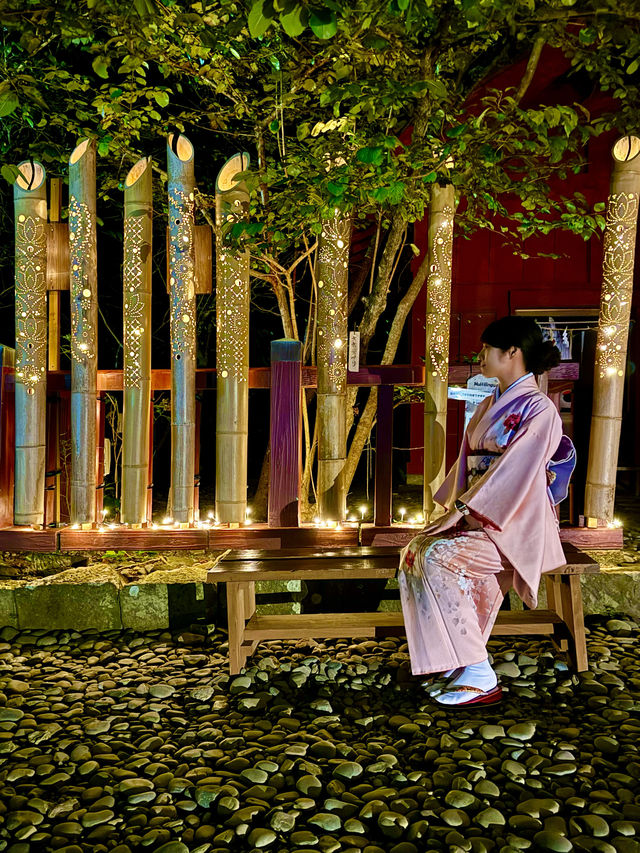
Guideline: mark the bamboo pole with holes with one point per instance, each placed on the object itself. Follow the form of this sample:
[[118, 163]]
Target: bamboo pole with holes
[[438, 321], [30, 206], [181, 188], [84, 330], [138, 227], [232, 347], [613, 331], [332, 277]]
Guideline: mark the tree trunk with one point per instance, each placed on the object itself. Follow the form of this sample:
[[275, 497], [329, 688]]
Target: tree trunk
[[613, 330], [30, 205], [84, 331], [367, 418], [181, 190], [136, 272], [332, 273], [438, 321], [232, 359]]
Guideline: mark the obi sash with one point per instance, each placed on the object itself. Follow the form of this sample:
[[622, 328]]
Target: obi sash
[[478, 464]]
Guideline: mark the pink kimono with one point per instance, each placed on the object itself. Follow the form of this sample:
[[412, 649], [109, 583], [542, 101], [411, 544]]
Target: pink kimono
[[453, 575]]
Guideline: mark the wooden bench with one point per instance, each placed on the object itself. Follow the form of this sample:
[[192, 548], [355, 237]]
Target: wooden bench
[[563, 620]]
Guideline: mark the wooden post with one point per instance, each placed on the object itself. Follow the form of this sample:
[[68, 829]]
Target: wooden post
[[57, 280], [136, 286], [183, 325], [285, 459], [384, 457], [100, 434], [149, 513], [84, 330], [30, 204], [613, 331], [232, 349], [438, 318], [7, 434], [332, 277]]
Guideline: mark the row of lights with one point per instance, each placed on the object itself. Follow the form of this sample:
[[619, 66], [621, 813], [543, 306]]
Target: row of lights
[[211, 521]]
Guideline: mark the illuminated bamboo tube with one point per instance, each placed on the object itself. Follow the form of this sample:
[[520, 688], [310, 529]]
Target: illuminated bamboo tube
[[332, 277], [30, 205], [138, 221], [613, 330], [183, 326], [232, 349], [438, 320], [84, 330]]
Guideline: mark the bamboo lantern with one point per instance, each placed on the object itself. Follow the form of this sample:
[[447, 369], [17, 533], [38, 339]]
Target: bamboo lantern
[[30, 204], [613, 331], [84, 331], [332, 277], [183, 326], [232, 349], [138, 221], [438, 319]]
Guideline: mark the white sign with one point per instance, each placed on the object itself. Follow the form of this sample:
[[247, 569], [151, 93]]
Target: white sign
[[354, 351], [478, 387]]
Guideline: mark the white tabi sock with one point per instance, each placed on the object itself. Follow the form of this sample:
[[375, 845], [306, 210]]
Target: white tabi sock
[[479, 675]]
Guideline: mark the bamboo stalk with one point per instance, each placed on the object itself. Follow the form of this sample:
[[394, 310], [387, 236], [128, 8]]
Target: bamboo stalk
[[54, 295], [84, 330], [138, 227], [332, 277], [232, 349], [613, 330], [30, 205], [438, 321], [181, 189]]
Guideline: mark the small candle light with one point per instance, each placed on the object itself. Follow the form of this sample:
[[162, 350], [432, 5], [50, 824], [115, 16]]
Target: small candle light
[[317, 521], [167, 520], [402, 514], [363, 509]]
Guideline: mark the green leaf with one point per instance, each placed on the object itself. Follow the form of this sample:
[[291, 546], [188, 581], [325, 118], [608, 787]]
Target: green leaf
[[437, 88], [335, 188], [599, 206], [9, 172], [161, 98], [370, 155], [633, 66], [259, 23], [8, 100], [100, 65], [292, 23], [323, 23]]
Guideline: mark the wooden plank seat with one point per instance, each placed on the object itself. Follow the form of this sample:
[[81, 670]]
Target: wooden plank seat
[[563, 620]]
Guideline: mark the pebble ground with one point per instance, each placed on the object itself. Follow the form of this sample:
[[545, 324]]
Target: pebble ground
[[131, 742]]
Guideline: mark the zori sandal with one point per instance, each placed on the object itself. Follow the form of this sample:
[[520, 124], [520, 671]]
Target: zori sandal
[[483, 697], [437, 681]]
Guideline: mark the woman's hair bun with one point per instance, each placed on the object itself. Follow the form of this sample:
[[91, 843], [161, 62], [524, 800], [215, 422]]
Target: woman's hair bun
[[543, 357], [524, 333]]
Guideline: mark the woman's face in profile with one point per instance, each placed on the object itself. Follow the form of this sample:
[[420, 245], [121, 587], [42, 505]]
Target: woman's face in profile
[[492, 360]]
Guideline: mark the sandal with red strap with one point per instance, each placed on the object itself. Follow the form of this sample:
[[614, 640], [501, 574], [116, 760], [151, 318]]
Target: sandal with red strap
[[484, 697], [437, 680]]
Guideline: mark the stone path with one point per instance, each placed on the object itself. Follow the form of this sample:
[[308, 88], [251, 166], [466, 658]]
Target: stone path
[[132, 742]]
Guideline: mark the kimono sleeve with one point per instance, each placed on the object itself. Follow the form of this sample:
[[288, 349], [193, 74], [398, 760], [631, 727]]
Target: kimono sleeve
[[518, 477]]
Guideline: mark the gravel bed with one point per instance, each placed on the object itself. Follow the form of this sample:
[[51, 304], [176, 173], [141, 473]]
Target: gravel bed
[[132, 742]]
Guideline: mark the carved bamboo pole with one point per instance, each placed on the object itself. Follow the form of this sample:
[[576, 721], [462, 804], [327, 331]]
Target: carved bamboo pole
[[438, 320], [332, 276], [84, 330], [30, 205], [183, 326], [138, 222], [232, 349], [613, 330]]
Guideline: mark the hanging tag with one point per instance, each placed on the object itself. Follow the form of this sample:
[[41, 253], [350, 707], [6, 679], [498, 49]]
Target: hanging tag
[[354, 351]]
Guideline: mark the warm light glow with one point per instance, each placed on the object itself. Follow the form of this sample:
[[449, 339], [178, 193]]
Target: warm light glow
[[363, 510], [402, 514], [167, 520]]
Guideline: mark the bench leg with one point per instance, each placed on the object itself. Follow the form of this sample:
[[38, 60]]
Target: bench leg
[[240, 607], [553, 584], [573, 615]]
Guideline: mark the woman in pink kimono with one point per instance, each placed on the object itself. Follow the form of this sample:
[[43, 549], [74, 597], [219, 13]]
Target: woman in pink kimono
[[500, 528]]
